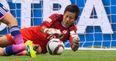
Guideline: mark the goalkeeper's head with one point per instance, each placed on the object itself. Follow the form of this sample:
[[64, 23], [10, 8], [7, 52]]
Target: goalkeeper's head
[[73, 9], [70, 15]]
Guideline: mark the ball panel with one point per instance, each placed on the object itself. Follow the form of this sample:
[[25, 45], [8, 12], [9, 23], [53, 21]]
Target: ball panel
[[59, 49], [49, 50], [55, 47]]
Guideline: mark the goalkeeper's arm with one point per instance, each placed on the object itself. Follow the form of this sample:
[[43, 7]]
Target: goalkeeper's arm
[[50, 31], [74, 40]]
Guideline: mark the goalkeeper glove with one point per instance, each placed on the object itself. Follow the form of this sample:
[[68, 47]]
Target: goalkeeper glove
[[75, 46], [74, 40]]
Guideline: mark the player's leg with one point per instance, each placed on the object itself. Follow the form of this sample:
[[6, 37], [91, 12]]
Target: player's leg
[[16, 34], [12, 49], [11, 21], [36, 47], [1, 51], [17, 48], [5, 41], [22, 53]]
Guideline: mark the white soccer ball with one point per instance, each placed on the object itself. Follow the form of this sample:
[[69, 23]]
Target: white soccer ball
[[55, 47]]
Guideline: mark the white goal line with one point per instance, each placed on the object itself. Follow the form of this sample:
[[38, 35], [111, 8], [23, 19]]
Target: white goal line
[[93, 48]]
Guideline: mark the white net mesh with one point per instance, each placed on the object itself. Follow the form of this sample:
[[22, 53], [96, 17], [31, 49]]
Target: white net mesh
[[31, 14]]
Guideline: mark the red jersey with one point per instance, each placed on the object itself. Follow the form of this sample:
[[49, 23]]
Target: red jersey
[[54, 21], [33, 33]]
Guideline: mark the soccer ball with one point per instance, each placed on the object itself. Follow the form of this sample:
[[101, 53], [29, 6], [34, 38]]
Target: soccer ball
[[55, 47]]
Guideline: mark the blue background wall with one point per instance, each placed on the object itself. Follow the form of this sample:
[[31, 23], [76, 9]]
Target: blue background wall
[[93, 35]]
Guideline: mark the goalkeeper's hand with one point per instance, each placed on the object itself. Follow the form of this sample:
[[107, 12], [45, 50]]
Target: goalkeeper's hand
[[75, 41], [75, 46]]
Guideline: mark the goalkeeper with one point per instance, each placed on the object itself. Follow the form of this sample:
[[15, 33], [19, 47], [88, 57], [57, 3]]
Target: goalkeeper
[[56, 26], [7, 18]]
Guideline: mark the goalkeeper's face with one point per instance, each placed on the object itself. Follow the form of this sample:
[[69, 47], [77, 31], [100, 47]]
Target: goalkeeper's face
[[69, 18]]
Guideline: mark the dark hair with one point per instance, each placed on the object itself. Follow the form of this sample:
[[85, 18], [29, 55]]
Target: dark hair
[[72, 8]]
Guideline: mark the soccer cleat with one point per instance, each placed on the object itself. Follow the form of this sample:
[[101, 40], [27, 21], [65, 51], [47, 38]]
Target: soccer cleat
[[29, 48]]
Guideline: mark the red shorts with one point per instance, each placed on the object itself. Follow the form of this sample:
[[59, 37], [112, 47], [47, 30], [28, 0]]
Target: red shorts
[[10, 39]]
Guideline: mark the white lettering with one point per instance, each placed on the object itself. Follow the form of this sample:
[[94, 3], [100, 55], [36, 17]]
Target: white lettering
[[101, 20], [48, 7]]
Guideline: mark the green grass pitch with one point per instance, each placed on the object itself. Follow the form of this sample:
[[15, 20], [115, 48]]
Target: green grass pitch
[[68, 55]]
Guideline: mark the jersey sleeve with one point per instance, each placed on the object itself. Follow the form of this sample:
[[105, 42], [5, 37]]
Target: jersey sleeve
[[3, 11], [50, 20]]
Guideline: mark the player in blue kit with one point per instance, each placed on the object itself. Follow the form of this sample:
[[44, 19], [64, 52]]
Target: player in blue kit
[[7, 18]]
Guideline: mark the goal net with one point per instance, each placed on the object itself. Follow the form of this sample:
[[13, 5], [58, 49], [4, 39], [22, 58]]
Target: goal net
[[30, 13]]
